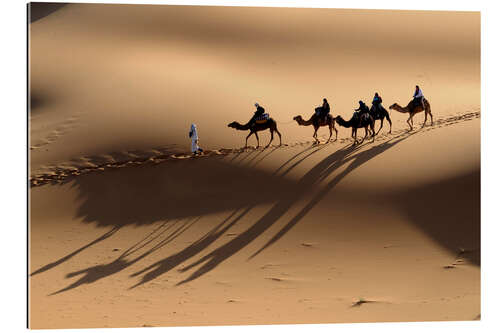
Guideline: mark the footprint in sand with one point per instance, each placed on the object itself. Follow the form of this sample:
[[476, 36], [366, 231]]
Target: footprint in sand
[[61, 129], [275, 279], [360, 301]]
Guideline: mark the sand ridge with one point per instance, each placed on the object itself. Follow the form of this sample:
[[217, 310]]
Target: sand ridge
[[65, 171]]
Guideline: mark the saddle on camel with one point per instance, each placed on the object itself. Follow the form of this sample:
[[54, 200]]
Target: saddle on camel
[[260, 116]]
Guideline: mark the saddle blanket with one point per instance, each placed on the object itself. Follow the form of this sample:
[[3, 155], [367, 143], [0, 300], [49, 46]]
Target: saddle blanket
[[262, 118], [363, 116]]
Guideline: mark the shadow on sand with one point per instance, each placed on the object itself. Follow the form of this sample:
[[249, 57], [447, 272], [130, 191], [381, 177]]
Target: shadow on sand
[[175, 191], [39, 10], [449, 211], [178, 189], [95, 273], [353, 155]]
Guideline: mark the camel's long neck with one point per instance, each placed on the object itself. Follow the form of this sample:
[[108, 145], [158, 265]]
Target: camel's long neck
[[303, 122], [242, 127], [343, 123], [400, 109]]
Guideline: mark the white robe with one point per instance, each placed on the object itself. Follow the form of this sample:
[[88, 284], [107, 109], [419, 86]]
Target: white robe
[[194, 139], [419, 94]]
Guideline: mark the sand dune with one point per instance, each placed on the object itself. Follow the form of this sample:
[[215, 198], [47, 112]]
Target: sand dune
[[128, 229], [84, 62]]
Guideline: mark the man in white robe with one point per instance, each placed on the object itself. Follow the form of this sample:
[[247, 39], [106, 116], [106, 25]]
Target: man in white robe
[[193, 134]]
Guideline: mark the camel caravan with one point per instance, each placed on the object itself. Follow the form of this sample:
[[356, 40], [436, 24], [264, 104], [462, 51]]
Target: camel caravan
[[363, 117]]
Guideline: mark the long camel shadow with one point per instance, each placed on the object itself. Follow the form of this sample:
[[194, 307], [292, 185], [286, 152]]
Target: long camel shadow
[[253, 151], [163, 266], [74, 253], [94, 273], [321, 173], [97, 272], [297, 155], [302, 159], [132, 196], [262, 158], [318, 172], [260, 151]]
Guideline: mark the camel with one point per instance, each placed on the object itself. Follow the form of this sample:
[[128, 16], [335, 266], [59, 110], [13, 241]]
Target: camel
[[365, 121], [412, 110], [317, 123], [257, 127], [381, 114]]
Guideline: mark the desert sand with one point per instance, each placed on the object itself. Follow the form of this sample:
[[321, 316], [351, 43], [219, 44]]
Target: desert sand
[[127, 229]]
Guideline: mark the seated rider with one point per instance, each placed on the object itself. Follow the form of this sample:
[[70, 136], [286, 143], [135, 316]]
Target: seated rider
[[323, 110], [377, 100], [418, 97], [259, 112], [363, 108]]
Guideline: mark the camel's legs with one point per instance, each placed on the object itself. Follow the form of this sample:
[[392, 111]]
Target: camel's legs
[[355, 133], [363, 139], [272, 137], [390, 123], [330, 127], [246, 140], [315, 135], [425, 119], [430, 113], [381, 125], [366, 133], [258, 144], [336, 132], [408, 121], [279, 134]]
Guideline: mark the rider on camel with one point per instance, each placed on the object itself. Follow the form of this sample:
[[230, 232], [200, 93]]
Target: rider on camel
[[258, 112], [418, 97], [377, 101], [323, 110]]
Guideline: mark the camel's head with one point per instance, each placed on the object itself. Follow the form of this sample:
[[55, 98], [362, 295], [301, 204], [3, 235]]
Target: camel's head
[[232, 125], [297, 118], [393, 106]]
